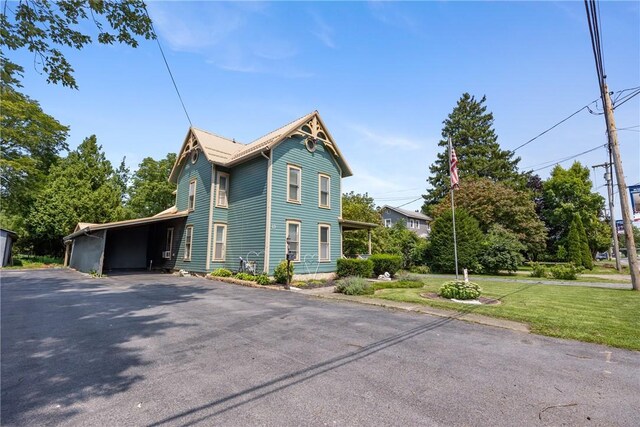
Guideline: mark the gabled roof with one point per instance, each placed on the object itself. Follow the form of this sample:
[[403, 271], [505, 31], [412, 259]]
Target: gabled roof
[[408, 213], [228, 152]]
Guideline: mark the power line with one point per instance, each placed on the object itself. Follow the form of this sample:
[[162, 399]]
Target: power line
[[405, 204], [167, 64], [555, 162], [625, 99]]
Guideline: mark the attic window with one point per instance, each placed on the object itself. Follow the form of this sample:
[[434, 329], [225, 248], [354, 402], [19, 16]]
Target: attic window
[[311, 144], [194, 156]]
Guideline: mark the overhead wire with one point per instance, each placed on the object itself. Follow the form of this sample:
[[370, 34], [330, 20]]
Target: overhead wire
[[166, 63]]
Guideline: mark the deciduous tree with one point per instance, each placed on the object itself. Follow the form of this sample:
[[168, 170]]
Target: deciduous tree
[[45, 28], [494, 203], [150, 191]]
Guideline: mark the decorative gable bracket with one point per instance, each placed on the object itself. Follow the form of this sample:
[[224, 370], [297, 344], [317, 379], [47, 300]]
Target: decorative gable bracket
[[313, 129]]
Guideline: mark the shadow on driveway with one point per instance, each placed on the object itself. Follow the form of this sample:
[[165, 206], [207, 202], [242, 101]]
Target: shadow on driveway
[[48, 364]]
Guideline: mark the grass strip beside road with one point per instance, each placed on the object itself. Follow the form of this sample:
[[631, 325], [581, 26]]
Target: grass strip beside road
[[602, 316]]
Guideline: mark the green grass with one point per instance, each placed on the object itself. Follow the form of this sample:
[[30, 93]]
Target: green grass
[[602, 316], [33, 261]]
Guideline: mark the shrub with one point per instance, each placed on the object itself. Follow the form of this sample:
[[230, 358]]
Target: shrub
[[469, 238], [538, 270], [354, 286], [354, 267], [221, 272], [420, 269], [245, 276], [262, 279], [386, 263], [459, 289], [501, 251], [565, 271], [280, 272]]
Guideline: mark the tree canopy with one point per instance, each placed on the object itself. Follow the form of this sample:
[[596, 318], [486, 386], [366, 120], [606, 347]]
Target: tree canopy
[[45, 28], [150, 191], [568, 192], [469, 238], [470, 128], [80, 187], [494, 203]]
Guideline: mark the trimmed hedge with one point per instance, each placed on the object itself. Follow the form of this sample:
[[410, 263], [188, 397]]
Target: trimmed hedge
[[386, 263], [354, 267]]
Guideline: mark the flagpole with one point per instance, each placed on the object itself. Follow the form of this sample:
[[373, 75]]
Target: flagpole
[[453, 214]]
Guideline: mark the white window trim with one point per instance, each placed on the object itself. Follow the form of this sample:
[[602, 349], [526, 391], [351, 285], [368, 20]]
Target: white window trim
[[320, 176], [299, 224], [215, 241], [320, 227], [188, 243], [169, 246], [387, 222], [226, 191], [194, 181], [299, 169]]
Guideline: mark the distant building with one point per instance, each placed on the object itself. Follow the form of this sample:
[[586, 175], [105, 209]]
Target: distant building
[[6, 242], [415, 221]]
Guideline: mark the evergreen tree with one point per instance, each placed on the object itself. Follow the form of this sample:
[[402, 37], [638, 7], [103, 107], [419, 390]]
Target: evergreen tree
[[469, 238], [587, 260], [470, 127], [81, 187], [574, 244]]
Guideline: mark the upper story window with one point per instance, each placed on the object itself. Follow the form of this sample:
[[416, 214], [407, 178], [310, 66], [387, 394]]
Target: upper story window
[[294, 179], [223, 190], [192, 194], [293, 238], [324, 185], [387, 222], [411, 223]]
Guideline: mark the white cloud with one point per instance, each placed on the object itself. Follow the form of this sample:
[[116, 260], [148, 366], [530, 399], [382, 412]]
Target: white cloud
[[385, 140], [323, 31]]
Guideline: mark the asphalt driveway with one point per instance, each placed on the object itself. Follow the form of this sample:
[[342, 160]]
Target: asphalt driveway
[[152, 350]]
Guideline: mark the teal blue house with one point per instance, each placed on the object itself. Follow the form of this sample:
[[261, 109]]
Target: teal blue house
[[255, 201]]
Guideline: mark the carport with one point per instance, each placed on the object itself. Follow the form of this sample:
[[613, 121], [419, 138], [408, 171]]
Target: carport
[[137, 244]]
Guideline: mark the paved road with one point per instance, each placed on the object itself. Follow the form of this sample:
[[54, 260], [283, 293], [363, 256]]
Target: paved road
[[156, 350]]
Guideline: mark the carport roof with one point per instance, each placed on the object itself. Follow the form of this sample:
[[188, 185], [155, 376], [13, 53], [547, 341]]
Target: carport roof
[[86, 227]]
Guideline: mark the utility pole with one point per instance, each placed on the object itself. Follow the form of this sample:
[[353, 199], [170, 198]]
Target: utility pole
[[614, 231], [622, 188]]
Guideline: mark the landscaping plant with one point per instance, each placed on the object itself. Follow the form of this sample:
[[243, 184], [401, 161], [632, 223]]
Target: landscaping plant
[[538, 270], [221, 272], [459, 289], [262, 279], [386, 263], [354, 286], [245, 276], [565, 271], [354, 267], [280, 273]]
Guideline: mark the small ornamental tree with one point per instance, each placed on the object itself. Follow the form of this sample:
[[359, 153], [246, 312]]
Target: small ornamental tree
[[574, 250], [501, 250], [587, 260], [469, 238]]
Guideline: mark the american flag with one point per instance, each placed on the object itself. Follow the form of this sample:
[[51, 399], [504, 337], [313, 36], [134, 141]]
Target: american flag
[[454, 170]]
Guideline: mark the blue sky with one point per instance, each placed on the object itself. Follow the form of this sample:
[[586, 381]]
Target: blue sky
[[383, 75]]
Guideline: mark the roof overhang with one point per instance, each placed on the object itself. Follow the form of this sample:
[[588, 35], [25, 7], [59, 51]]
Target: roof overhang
[[84, 228], [348, 225]]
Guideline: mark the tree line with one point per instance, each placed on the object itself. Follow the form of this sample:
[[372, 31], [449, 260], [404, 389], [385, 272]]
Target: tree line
[[503, 215]]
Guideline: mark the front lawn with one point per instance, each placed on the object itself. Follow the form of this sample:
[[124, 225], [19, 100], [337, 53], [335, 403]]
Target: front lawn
[[603, 316], [34, 261]]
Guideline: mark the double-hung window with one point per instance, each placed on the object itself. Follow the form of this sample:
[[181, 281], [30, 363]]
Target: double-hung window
[[220, 241], [223, 190], [188, 240], [192, 194], [324, 242], [324, 185], [294, 180], [387, 222], [169, 243], [293, 239]]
